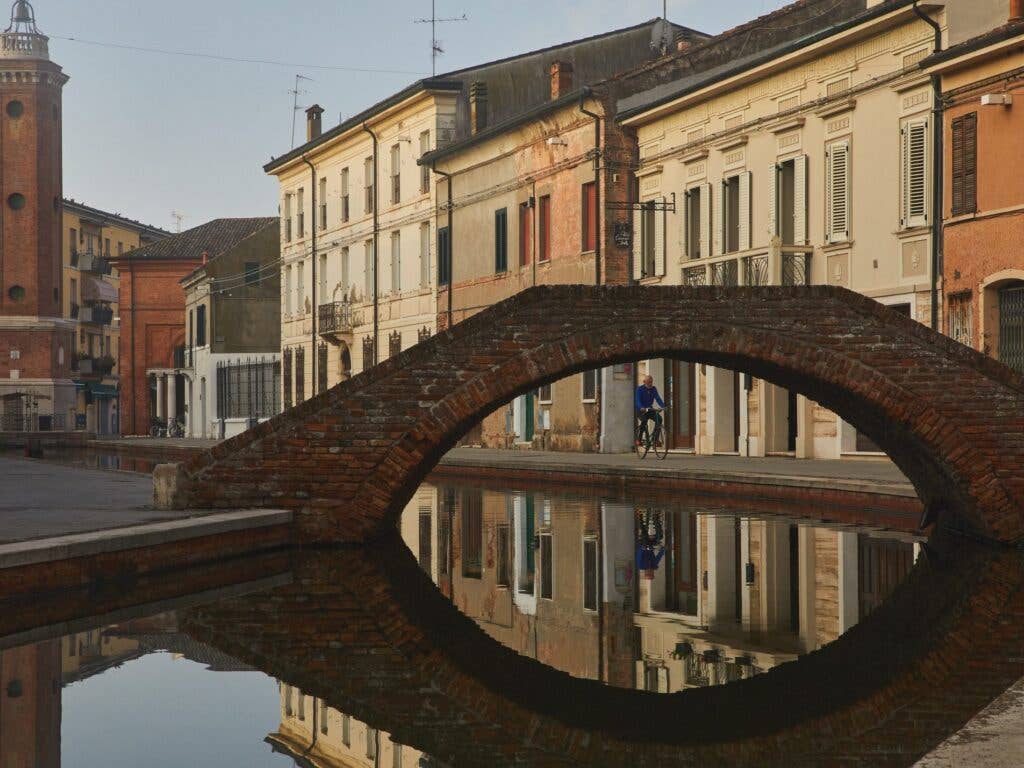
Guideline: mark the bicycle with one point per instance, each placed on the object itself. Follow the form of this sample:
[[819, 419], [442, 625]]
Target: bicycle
[[645, 440]]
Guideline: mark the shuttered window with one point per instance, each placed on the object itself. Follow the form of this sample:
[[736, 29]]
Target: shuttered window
[[370, 286], [915, 174], [693, 204], [444, 256], [424, 254], [501, 240], [544, 235], [396, 262], [965, 164], [837, 192]]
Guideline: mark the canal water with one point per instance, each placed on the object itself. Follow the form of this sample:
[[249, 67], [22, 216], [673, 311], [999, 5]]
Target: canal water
[[652, 595]]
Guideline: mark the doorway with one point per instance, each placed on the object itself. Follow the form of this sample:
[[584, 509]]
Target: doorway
[[523, 418], [780, 419], [680, 388], [725, 395]]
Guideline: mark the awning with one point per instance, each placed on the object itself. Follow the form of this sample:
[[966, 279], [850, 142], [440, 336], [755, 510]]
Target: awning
[[103, 390], [94, 289]]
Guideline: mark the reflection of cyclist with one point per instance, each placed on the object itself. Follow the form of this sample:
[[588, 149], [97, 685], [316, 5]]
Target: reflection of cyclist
[[646, 396], [650, 533]]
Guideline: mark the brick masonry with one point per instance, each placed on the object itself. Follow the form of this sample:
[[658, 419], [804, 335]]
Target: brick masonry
[[348, 460]]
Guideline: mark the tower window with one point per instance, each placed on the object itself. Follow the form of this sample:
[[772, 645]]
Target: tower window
[[16, 201], [15, 108], [16, 293]]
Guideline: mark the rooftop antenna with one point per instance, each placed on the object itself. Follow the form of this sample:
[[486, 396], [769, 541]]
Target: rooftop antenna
[[178, 218], [296, 91], [435, 44]]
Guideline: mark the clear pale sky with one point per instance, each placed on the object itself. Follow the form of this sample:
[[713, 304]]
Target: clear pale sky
[[146, 133]]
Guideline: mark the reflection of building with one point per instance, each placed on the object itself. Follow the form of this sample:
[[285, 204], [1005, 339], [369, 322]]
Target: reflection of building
[[91, 287], [323, 737], [30, 705], [983, 275], [233, 339]]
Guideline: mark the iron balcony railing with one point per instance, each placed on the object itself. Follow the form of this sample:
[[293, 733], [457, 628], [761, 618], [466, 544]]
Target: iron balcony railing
[[91, 262], [96, 315], [180, 360], [335, 317], [94, 366]]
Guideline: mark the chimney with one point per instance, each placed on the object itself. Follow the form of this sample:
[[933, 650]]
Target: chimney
[[561, 79], [206, 256], [477, 106], [314, 122], [1016, 10]]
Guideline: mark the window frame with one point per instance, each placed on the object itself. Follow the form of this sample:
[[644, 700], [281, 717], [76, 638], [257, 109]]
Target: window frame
[[584, 376], [501, 241], [964, 174], [544, 229], [591, 540]]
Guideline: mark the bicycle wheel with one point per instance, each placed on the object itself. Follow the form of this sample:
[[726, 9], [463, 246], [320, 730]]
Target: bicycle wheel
[[643, 442], [661, 447]]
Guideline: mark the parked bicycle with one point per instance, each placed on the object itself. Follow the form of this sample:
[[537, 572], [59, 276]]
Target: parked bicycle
[[161, 428], [650, 433]]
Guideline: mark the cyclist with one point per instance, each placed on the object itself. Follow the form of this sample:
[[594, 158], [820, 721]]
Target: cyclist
[[646, 396]]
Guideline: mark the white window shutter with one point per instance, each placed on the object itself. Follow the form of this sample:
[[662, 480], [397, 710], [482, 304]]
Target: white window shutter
[[686, 224], [662, 680], [705, 220], [915, 174], [745, 183], [659, 238], [838, 193], [638, 243], [718, 212], [773, 200], [800, 200]]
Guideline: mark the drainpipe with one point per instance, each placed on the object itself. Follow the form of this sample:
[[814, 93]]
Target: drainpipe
[[597, 181], [376, 254], [451, 240], [312, 292], [938, 172], [135, 373], [316, 728]]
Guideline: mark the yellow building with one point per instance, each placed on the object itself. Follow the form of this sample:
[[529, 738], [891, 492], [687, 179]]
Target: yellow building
[[810, 162], [91, 287]]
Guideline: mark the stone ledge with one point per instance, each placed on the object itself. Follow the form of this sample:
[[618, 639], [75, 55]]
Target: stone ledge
[[57, 548]]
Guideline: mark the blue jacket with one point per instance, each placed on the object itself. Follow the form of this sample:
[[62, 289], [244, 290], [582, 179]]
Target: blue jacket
[[645, 398]]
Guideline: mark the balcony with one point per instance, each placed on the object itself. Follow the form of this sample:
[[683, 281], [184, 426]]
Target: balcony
[[779, 265], [182, 357], [96, 315], [87, 365], [336, 319], [90, 262]]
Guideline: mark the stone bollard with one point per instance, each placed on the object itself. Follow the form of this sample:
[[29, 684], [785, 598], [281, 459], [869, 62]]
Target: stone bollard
[[169, 486]]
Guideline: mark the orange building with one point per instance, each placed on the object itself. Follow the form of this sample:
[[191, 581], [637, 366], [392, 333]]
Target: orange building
[[983, 269]]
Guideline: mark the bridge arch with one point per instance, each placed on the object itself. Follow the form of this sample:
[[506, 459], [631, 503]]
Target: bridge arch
[[348, 460]]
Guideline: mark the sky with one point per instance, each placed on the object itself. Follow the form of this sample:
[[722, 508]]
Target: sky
[[148, 134]]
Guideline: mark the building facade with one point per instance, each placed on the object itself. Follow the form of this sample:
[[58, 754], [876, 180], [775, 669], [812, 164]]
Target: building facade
[[36, 388], [91, 288], [362, 244], [983, 268], [231, 367]]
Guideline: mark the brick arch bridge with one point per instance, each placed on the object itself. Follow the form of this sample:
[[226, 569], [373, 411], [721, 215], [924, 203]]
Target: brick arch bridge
[[348, 460]]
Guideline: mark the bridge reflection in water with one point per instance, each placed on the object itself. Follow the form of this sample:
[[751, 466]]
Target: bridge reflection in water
[[377, 667]]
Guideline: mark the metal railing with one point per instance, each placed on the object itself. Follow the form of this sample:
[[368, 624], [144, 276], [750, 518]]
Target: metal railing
[[92, 262], [335, 317], [33, 422], [94, 366], [96, 315], [248, 388]]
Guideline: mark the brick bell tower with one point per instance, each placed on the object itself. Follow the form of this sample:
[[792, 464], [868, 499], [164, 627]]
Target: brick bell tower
[[36, 344]]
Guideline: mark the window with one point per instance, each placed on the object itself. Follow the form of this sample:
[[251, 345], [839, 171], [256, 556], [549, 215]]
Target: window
[[300, 374], [425, 540], [444, 532], [370, 286], [525, 233], [369, 352], [396, 755], [287, 377], [368, 174], [396, 262], [345, 210], [322, 201], [649, 240], [694, 238], [300, 288], [396, 173], [300, 214], [590, 596], [837, 192], [425, 254], [544, 393], [502, 544], [915, 174], [288, 290], [961, 318], [444, 256], [106, 246], [201, 325], [787, 207], [734, 214], [965, 164], [345, 284], [590, 220], [120, 248], [302, 706], [525, 552], [346, 730], [321, 278], [371, 742], [501, 240], [252, 273], [425, 169], [73, 291], [321, 368], [547, 587], [73, 239], [288, 217], [287, 700], [394, 343], [544, 235], [472, 534], [589, 386]]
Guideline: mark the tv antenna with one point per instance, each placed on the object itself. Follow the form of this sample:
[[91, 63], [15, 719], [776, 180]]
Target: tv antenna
[[296, 92], [435, 44], [178, 218]]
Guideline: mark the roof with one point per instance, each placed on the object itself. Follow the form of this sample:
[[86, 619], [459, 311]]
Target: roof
[[212, 238], [998, 35], [107, 217], [507, 85], [662, 94]]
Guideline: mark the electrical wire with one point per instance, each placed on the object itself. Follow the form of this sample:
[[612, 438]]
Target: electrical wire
[[233, 59]]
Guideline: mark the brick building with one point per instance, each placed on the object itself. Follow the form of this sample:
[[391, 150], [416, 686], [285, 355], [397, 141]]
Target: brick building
[[983, 269], [152, 305], [36, 390]]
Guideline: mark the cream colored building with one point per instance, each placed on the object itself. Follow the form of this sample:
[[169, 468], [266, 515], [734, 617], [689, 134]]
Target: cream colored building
[[91, 287], [811, 162]]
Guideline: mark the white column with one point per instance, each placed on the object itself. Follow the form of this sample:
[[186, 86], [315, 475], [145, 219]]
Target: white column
[[849, 596], [161, 396], [171, 398], [808, 588]]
